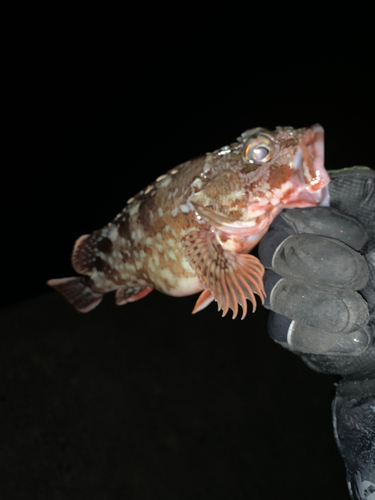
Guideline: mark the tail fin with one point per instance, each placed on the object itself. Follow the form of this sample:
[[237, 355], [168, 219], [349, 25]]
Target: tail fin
[[78, 292]]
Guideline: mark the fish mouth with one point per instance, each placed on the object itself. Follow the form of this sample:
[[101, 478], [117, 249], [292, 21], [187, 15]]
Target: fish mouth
[[309, 161]]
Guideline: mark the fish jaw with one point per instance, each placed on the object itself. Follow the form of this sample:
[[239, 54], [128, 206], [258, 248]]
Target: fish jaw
[[309, 161]]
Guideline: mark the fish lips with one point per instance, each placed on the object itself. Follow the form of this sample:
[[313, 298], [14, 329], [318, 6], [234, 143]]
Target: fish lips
[[309, 162]]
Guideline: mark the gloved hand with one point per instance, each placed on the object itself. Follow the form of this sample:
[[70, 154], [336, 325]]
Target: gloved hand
[[320, 285]]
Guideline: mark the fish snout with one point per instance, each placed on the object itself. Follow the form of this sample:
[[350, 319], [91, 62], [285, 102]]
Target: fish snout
[[309, 160]]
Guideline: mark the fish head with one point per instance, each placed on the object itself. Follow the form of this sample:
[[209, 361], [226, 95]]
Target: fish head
[[248, 183]]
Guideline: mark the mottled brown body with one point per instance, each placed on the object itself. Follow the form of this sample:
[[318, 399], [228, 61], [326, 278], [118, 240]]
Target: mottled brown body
[[192, 229], [143, 244]]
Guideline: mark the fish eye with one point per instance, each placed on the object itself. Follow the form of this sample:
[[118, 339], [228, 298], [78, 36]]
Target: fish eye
[[259, 149], [260, 153]]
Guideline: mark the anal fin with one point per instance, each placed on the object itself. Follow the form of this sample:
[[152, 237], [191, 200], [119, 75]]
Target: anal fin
[[232, 278], [131, 294]]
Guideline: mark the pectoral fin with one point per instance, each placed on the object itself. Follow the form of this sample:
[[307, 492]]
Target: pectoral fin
[[230, 277]]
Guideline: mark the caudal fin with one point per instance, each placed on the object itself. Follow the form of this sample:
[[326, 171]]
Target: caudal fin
[[78, 292]]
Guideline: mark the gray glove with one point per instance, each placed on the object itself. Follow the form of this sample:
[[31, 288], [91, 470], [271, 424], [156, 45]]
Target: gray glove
[[317, 259]]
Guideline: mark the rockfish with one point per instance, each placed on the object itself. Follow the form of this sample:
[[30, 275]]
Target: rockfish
[[193, 228]]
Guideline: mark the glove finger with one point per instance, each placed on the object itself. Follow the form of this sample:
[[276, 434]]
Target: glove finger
[[320, 260], [353, 191], [324, 221], [302, 338], [356, 367], [332, 309]]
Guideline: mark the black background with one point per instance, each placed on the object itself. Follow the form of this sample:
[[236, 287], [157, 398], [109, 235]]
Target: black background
[[97, 105]]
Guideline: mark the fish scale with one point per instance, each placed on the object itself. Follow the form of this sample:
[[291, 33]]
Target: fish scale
[[193, 228]]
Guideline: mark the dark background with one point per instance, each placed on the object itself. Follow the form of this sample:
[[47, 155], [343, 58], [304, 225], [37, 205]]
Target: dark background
[[162, 404]]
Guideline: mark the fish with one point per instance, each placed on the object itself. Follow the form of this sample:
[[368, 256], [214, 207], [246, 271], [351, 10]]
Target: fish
[[192, 229]]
